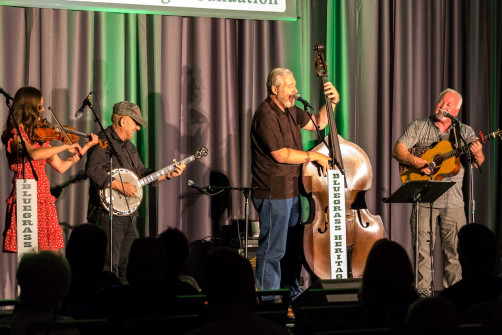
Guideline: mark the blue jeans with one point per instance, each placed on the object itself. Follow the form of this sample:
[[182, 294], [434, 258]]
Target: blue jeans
[[278, 261]]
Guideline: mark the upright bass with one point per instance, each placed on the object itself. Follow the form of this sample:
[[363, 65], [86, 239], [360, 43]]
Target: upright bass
[[362, 228]]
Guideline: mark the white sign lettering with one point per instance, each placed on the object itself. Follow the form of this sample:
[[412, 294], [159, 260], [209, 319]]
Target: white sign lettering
[[26, 216], [337, 228]]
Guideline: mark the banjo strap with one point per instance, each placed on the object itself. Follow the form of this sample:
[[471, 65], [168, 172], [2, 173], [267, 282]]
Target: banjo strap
[[135, 170], [131, 160]]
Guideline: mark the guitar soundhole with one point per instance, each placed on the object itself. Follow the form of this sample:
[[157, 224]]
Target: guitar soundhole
[[438, 159]]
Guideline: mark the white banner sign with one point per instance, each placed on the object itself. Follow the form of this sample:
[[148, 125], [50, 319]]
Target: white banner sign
[[238, 9], [26, 216], [337, 227], [247, 5]]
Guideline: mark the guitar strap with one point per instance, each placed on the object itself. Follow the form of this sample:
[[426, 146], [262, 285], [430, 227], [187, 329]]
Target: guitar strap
[[454, 137]]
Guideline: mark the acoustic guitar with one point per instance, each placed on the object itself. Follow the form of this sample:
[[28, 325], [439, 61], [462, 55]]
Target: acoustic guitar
[[442, 156]]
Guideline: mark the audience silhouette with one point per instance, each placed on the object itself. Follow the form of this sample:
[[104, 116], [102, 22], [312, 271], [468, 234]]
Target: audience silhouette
[[387, 285], [177, 251], [199, 249], [487, 314], [432, 316], [388, 275], [228, 282], [477, 251], [155, 266], [145, 294], [44, 278], [86, 251]]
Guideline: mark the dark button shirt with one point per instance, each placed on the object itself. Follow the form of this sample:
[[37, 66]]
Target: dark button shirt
[[273, 129], [97, 166]]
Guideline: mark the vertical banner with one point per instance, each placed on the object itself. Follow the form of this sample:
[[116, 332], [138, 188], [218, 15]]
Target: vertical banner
[[337, 227], [26, 216]]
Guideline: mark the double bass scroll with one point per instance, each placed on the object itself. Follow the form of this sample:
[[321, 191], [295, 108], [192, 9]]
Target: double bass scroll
[[362, 228]]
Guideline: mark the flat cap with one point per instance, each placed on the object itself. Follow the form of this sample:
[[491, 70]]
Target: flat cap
[[127, 108]]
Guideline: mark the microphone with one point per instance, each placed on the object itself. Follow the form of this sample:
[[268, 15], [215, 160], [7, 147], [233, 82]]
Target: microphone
[[305, 102], [85, 103], [5, 94], [454, 120], [448, 115], [432, 166], [191, 184]]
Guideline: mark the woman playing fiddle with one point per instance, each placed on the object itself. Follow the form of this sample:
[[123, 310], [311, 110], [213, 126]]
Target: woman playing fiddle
[[27, 109]]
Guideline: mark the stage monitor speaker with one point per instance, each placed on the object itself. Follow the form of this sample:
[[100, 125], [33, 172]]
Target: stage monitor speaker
[[329, 291]]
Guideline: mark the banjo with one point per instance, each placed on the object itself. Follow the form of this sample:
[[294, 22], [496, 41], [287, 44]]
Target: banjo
[[124, 205]]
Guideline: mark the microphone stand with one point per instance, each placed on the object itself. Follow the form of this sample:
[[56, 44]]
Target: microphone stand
[[24, 154], [334, 160], [472, 202], [470, 160], [318, 131], [111, 152], [246, 191]]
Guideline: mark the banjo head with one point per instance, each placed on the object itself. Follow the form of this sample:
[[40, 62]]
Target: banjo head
[[122, 204]]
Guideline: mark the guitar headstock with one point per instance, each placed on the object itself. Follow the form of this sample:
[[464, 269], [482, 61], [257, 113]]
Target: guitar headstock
[[495, 134], [201, 152], [320, 61]]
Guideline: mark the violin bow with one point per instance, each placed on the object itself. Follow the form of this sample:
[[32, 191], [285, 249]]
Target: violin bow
[[62, 128]]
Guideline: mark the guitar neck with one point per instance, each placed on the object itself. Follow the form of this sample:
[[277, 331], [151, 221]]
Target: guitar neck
[[463, 149], [156, 175]]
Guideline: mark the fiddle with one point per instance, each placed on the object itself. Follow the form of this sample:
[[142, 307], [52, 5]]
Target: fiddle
[[46, 131]]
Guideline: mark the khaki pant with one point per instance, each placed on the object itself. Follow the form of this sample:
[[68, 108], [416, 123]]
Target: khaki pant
[[449, 220]]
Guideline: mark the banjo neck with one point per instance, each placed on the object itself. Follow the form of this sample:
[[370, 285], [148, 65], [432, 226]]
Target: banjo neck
[[125, 205], [156, 175]]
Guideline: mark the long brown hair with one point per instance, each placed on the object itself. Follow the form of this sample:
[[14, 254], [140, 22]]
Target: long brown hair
[[25, 109]]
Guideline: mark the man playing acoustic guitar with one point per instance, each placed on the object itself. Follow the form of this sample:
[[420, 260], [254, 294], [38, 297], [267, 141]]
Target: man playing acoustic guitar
[[448, 210]]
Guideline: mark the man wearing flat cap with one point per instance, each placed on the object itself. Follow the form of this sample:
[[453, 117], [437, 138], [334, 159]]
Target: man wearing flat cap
[[126, 120]]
